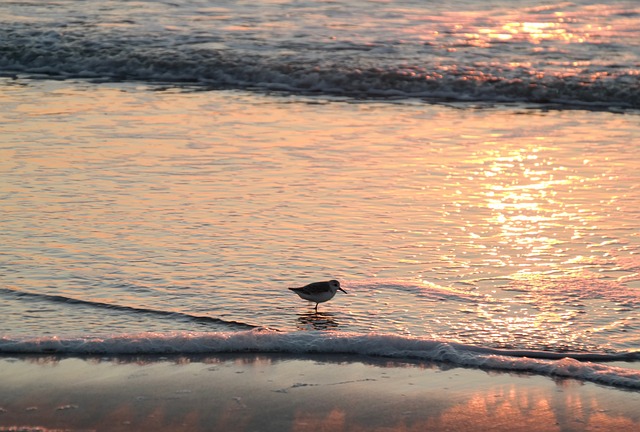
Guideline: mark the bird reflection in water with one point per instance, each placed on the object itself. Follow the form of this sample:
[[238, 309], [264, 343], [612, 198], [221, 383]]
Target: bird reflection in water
[[317, 321]]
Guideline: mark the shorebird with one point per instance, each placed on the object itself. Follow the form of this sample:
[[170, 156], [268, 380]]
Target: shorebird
[[319, 292]]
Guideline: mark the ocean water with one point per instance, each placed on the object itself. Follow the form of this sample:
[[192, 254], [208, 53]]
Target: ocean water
[[468, 171]]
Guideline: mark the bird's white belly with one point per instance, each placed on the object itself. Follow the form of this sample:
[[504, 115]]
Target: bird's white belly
[[319, 297]]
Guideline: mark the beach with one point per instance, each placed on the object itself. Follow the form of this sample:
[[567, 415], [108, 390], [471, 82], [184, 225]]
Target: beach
[[257, 392], [467, 171]]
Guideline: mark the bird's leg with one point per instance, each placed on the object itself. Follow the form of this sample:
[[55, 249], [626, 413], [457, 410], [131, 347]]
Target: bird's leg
[[316, 307]]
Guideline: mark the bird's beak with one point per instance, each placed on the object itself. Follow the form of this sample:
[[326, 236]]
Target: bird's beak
[[342, 290]]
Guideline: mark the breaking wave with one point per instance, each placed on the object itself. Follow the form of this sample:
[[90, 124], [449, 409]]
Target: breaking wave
[[590, 367], [55, 54]]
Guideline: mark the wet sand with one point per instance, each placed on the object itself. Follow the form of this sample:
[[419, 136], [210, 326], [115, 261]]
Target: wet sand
[[281, 393]]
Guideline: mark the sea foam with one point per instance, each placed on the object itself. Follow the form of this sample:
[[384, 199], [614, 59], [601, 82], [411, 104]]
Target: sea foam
[[590, 367]]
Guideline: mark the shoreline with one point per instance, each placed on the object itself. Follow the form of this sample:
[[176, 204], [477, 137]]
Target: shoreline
[[273, 392]]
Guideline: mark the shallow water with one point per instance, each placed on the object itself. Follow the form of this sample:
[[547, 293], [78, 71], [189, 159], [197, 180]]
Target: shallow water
[[506, 226]]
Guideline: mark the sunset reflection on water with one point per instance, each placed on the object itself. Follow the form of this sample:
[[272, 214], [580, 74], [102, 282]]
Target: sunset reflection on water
[[546, 239]]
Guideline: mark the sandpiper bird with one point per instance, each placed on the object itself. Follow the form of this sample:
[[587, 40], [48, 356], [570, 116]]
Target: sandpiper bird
[[319, 292]]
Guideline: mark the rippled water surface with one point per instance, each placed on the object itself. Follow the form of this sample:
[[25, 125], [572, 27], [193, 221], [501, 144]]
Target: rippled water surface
[[172, 210]]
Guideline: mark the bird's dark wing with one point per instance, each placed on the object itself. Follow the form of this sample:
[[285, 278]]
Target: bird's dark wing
[[313, 288]]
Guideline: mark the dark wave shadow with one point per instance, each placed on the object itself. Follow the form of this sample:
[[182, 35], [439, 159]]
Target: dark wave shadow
[[101, 305]]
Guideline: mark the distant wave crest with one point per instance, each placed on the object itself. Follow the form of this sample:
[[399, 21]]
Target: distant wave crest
[[59, 55], [582, 366]]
